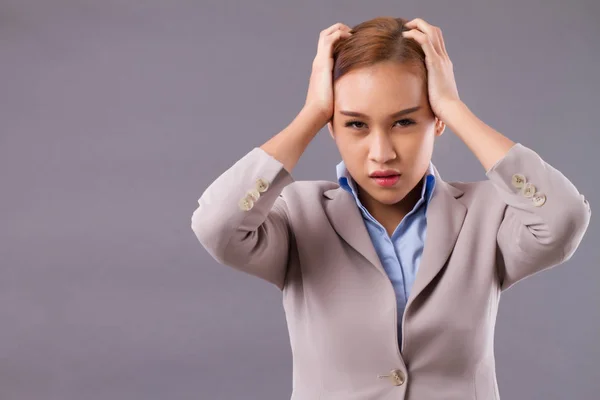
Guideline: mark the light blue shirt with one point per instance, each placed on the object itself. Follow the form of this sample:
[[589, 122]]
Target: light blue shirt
[[401, 253]]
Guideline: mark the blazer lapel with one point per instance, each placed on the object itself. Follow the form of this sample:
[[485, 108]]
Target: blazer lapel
[[445, 216], [346, 219]]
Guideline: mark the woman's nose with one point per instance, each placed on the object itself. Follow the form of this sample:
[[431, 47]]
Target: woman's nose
[[381, 149]]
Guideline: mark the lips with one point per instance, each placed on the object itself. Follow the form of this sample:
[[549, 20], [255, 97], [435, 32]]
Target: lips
[[384, 174], [386, 180]]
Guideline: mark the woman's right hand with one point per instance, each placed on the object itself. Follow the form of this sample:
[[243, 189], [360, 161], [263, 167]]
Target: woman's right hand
[[320, 88]]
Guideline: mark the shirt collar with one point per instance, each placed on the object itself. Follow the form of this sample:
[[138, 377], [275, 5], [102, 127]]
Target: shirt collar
[[347, 183]]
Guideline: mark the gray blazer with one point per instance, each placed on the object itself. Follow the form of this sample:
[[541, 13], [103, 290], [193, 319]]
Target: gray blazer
[[309, 240]]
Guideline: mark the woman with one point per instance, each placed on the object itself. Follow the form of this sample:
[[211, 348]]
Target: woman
[[391, 277]]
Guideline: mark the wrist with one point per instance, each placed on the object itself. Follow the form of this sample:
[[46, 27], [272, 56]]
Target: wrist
[[316, 114], [454, 112]]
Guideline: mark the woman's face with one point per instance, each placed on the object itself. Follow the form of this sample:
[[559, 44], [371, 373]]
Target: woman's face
[[379, 140]]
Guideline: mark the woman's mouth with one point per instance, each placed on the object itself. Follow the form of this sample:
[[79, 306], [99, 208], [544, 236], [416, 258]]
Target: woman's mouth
[[387, 180]]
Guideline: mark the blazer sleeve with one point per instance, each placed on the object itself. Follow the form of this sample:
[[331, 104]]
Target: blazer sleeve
[[242, 219], [545, 218]]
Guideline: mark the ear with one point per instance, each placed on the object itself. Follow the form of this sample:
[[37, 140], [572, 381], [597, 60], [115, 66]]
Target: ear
[[330, 128], [440, 126]]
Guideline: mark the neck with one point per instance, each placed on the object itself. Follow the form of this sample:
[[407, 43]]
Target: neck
[[390, 215]]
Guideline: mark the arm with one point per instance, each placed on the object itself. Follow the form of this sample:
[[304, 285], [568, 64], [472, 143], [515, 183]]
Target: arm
[[251, 236], [536, 232], [241, 219], [539, 231]]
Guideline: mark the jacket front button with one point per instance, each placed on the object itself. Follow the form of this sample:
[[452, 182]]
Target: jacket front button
[[262, 185], [518, 180], [396, 375]]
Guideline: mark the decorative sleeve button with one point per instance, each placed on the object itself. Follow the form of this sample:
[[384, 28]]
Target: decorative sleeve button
[[262, 185], [254, 194], [518, 180], [246, 203], [538, 199], [528, 190]]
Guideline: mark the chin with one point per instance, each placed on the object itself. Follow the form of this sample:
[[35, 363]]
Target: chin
[[390, 198]]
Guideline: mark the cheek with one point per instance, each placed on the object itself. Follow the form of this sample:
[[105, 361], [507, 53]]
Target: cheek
[[353, 151], [346, 142], [420, 141], [422, 151]]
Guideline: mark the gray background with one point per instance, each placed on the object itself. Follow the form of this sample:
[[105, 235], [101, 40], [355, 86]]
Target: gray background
[[116, 115]]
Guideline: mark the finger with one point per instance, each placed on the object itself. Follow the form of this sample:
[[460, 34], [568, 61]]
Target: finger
[[326, 43], [340, 33], [442, 42], [439, 43], [423, 40], [342, 28], [429, 30], [335, 36], [421, 24], [334, 28], [433, 32]]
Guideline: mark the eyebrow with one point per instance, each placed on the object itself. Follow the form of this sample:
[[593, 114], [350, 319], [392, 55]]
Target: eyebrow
[[394, 115]]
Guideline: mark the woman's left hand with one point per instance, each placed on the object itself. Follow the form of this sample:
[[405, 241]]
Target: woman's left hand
[[442, 89]]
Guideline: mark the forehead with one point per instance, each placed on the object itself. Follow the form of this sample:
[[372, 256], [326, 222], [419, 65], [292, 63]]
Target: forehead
[[380, 88]]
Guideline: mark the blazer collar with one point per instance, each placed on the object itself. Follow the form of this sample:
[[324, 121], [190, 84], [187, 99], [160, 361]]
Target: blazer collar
[[445, 216]]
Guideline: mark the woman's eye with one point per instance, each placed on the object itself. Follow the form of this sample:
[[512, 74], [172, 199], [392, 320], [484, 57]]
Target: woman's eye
[[406, 122], [353, 124], [360, 125]]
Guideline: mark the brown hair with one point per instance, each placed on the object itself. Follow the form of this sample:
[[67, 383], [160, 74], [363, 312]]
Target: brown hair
[[377, 40]]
